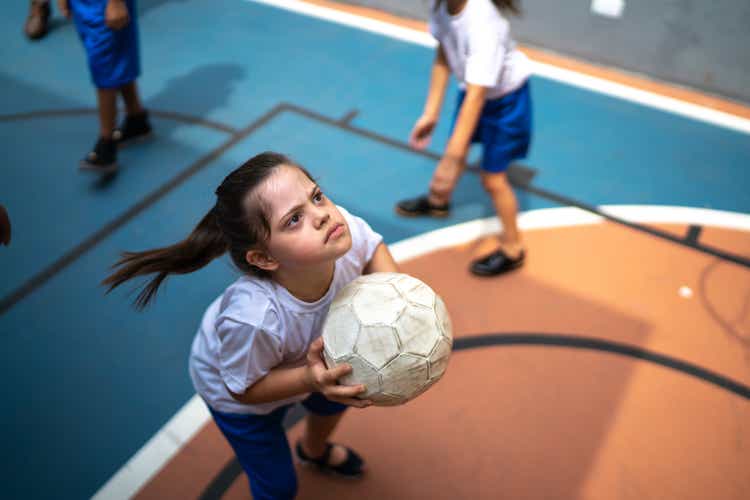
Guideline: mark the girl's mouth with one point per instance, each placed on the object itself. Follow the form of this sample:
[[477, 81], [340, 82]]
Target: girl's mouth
[[335, 232]]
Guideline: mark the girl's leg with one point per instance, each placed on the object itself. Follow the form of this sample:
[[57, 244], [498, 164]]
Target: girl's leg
[[321, 421], [136, 124], [506, 206], [318, 428], [129, 93], [444, 180], [107, 99]]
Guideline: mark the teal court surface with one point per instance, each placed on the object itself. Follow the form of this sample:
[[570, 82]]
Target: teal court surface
[[88, 381]]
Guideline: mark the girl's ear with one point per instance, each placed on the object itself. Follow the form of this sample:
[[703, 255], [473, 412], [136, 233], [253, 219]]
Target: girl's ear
[[261, 260]]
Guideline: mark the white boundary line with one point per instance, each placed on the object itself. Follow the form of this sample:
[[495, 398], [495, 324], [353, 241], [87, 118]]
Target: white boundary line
[[181, 428], [548, 218], [574, 78]]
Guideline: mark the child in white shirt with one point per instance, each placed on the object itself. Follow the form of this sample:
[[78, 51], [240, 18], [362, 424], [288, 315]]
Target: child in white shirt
[[258, 348], [493, 108]]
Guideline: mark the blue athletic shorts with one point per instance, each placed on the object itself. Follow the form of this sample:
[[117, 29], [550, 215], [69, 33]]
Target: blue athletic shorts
[[112, 55], [504, 128], [260, 443]]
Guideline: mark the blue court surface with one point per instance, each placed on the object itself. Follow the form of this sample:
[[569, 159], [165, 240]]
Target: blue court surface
[[87, 379]]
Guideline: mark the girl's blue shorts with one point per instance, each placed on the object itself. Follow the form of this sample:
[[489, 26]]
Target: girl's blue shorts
[[260, 443], [504, 128], [112, 55]]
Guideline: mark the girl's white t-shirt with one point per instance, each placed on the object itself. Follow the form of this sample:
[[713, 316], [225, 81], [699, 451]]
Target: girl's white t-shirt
[[257, 325], [479, 48]]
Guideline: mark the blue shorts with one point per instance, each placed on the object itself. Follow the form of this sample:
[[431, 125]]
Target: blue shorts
[[260, 443], [504, 128], [112, 55]]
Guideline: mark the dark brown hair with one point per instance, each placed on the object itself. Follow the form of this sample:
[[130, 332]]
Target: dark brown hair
[[237, 222], [512, 6]]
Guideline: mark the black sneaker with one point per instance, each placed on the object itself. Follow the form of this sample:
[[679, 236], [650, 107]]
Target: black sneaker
[[134, 128], [496, 263], [421, 205], [103, 158]]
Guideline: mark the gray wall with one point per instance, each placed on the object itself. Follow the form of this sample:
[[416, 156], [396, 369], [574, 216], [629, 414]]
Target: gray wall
[[704, 44]]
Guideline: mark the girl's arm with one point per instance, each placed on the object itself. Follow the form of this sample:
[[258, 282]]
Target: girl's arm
[[466, 123], [438, 82], [116, 15], [382, 261], [282, 383], [421, 133]]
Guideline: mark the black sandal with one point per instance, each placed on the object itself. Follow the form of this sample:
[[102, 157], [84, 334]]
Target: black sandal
[[421, 206], [352, 467]]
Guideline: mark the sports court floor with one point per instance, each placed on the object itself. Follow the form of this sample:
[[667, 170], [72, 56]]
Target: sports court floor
[[616, 364]]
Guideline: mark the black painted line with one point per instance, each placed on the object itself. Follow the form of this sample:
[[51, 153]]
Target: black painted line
[[314, 115], [576, 342], [168, 115], [223, 481], [232, 470], [68, 258], [523, 181], [694, 232], [347, 118]]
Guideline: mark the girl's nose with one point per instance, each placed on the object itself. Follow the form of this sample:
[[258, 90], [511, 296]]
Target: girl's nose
[[321, 217]]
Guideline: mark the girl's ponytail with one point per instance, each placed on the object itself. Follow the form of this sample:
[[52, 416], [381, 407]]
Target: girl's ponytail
[[203, 245]]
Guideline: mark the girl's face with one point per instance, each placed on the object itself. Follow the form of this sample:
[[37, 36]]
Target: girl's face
[[306, 227]]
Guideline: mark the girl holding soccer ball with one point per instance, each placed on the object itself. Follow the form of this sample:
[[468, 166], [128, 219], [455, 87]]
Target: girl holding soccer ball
[[258, 348]]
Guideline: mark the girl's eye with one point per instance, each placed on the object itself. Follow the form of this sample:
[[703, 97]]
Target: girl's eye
[[293, 219], [318, 197]]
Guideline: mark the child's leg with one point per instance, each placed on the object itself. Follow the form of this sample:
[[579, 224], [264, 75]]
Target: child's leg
[[107, 99], [102, 158], [447, 173], [132, 100], [506, 206], [136, 125], [318, 428], [315, 447], [437, 203]]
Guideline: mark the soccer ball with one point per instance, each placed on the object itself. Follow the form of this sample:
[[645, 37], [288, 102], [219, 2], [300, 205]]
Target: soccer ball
[[395, 333]]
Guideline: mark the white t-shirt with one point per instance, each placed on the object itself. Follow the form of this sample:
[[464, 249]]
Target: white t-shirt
[[257, 325], [479, 48]]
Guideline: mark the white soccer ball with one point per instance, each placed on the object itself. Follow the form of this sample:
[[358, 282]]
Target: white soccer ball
[[394, 331]]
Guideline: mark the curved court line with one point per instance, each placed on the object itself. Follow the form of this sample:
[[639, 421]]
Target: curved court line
[[168, 115], [567, 76], [594, 344], [729, 327], [181, 428]]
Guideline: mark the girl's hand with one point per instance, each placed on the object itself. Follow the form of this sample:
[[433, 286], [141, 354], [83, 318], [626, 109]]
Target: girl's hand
[[116, 14], [324, 380], [422, 132], [64, 8]]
